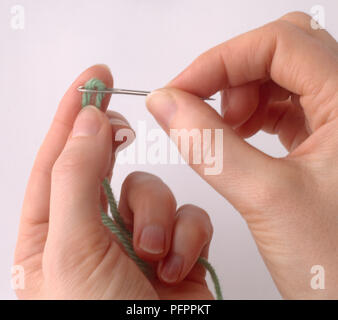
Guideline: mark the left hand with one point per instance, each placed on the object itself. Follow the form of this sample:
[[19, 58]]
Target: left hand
[[66, 251]]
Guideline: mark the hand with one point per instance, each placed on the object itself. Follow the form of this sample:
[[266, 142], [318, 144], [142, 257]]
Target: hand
[[66, 251], [281, 78]]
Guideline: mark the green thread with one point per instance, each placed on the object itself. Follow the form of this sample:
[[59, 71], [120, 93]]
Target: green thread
[[117, 225]]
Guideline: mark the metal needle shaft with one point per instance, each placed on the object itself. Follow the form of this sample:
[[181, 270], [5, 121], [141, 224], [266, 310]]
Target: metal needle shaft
[[122, 91]]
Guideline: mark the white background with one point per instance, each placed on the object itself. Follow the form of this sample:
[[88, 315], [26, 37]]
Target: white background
[[145, 43]]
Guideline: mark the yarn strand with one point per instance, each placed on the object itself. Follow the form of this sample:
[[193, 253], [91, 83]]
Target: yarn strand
[[113, 208], [127, 244], [116, 224]]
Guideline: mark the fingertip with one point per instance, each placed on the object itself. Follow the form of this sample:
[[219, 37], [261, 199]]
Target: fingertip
[[102, 65], [150, 204], [191, 237], [170, 269], [87, 123], [102, 72]]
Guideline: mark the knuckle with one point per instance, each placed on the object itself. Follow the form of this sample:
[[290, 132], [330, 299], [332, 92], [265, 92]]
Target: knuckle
[[279, 27], [169, 200], [296, 16], [134, 177], [69, 161], [198, 220], [141, 178], [281, 30], [163, 194], [147, 186]]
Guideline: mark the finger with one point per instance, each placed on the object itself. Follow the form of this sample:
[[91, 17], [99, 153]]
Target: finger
[[239, 103], [267, 93], [254, 123], [273, 92], [192, 234], [272, 51], [244, 107], [75, 226], [306, 23], [238, 171], [288, 121], [122, 136], [148, 204], [77, 176], [36, 203], [35, 211]]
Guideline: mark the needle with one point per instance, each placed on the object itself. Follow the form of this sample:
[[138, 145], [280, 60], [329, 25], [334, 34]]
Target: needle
[[122, 91]]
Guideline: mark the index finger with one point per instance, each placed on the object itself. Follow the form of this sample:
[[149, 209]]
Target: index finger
[[279, 50]]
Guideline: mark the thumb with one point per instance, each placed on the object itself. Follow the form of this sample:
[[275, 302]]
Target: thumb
[[78, 173], [237, 170]]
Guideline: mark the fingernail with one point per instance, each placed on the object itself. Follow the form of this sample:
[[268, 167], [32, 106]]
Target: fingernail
[[162, 106], [152, 239], [118, 122], [172, 268], [87, 123]]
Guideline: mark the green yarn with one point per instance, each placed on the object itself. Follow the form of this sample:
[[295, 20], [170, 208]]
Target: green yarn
[[113, 209], [126, 242], [204, 262], [93, 84], [117, 225]]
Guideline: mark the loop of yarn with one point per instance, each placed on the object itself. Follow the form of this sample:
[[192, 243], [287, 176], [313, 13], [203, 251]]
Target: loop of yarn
[[93, 84], [116, 224]]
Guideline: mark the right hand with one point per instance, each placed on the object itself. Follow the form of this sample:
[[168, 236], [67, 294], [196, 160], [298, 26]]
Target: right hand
[[282, 78]]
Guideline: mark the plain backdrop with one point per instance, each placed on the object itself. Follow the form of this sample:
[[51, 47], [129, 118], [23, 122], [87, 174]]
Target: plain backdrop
[[145, 43]]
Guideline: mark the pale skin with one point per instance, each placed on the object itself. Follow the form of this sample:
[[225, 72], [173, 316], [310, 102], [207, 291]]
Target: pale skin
[[281, 78]]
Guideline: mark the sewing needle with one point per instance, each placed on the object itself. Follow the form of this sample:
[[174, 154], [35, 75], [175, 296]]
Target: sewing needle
[[122, 91]]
